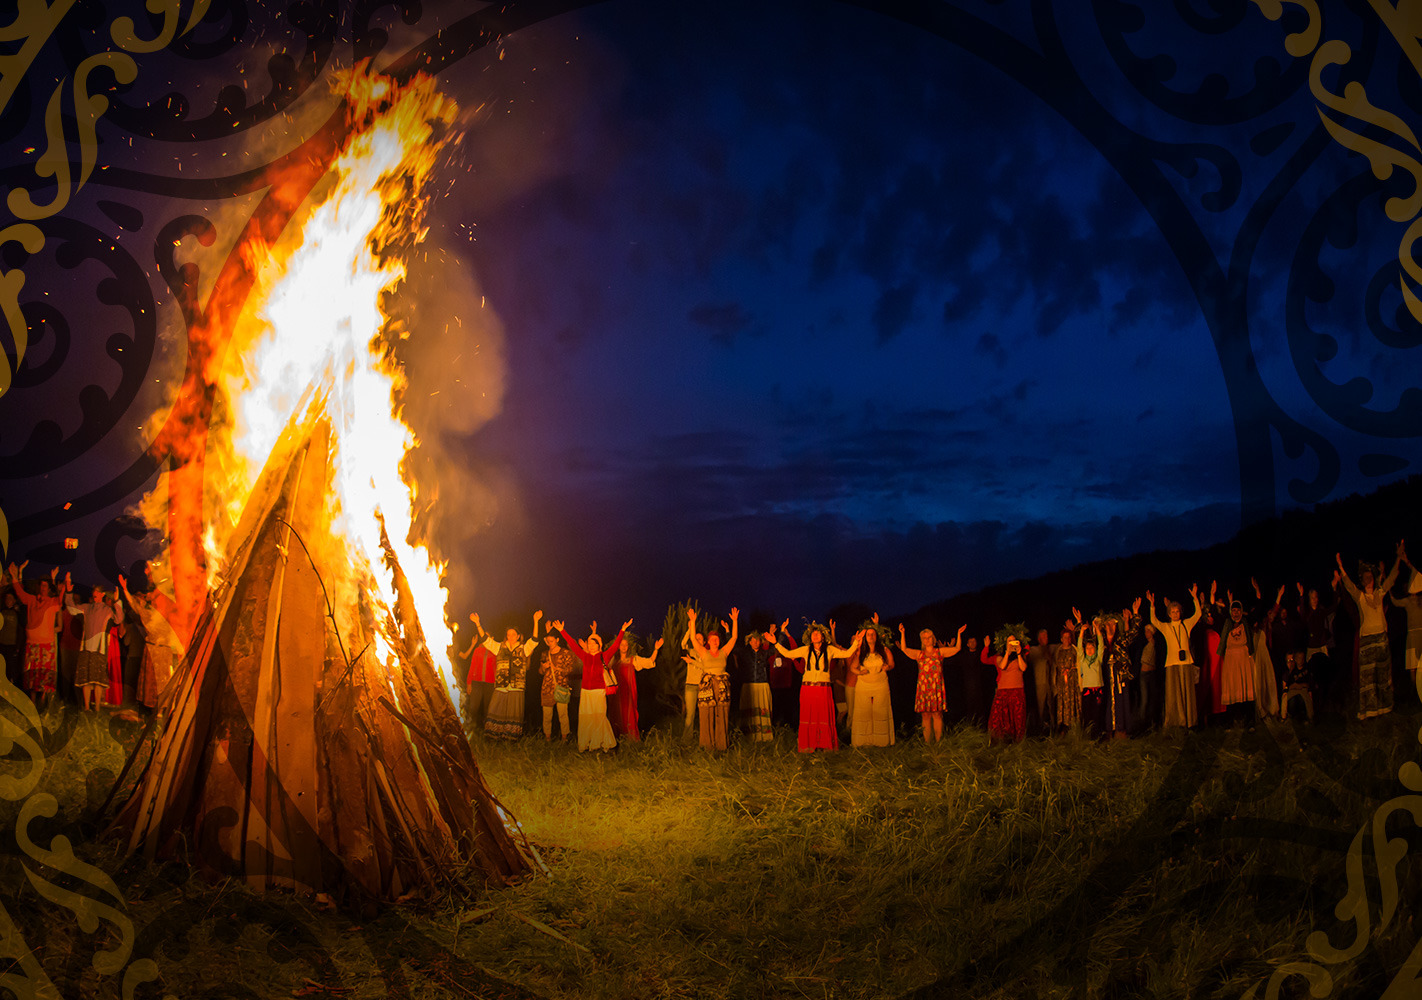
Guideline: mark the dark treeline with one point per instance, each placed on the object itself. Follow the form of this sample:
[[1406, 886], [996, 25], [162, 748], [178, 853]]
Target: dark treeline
[[1297, 546]]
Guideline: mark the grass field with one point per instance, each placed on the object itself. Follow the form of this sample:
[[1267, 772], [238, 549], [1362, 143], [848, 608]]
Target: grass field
[[1184, 866]]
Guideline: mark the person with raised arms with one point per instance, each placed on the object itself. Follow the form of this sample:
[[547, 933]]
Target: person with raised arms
[[714, 698], [594, 731], [817, 721], [930, 697]]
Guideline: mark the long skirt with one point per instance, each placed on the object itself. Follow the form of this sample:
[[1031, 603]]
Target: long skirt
[[1093, 711], [39, 668], [1214, 676], [873, 724], [92, 671], [1069, 698], [1236, 676], [1412, 654], [156, 670], [817, 728], [713, 704], [505, 721], [594, 731], [1374, 676], [114, 695], [624, 709], [1266, 685], [930, 695], [1180, 695], [755, 710], [1008, 718]]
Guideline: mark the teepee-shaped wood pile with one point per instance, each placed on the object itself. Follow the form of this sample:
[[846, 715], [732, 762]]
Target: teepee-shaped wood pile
[[289, 755]]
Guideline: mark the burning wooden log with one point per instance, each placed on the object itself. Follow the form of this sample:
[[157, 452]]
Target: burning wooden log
[[291, 755]]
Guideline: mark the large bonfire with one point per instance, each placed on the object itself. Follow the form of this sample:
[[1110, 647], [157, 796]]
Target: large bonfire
[[309, 739]]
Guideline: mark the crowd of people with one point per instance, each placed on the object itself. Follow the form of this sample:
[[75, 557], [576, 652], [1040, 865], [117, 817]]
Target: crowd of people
[[115, 649], [1154, 664], [1151, 664]]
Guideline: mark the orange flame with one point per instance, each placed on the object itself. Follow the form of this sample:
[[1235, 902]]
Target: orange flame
[[314, 323]]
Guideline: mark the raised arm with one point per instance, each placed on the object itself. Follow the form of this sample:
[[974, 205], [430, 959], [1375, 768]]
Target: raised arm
[[843, 654], [903, 644], [735, 628]]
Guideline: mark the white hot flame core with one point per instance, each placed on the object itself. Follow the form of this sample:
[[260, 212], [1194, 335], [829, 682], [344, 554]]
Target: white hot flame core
[[320, 322]]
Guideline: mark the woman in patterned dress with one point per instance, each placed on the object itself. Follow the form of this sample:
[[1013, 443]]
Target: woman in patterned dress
[[714, 700], [41, 614], [930, 699], [505, 721], [1068, 682], [558, 666], [1374, 656]]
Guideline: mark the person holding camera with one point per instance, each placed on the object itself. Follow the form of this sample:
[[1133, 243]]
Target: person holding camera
[[1181, 672]]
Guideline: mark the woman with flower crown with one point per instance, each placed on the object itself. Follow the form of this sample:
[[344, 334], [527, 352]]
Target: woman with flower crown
[[873, 721], [817, 723]]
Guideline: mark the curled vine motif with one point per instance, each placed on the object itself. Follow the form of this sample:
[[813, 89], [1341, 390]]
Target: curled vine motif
[[1213, 103], [1353, 103], [12, 282]]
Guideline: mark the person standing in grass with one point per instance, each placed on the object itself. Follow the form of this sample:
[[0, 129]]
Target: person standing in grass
[[483, 670], [1412, 605], [1374, 657], [1151, 682], [505, 720], [1089, 674], [1181, 673], [625, 721], [554, 690], [930, 696], [755, 687], [162, 649], [1068, 681], [691, 688], [1236, 650], [1008, 718], [873, 721], [1118, 634], [714, 698], [817, 721], [41, 628], [91, 675], [1039, 658], [10, 648], [594, 731]]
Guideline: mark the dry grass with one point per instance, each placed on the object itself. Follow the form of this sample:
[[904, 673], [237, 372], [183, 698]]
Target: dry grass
[[1174, 867]]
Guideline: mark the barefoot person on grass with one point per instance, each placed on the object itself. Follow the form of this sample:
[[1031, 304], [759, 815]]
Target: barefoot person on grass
[[930, 699]]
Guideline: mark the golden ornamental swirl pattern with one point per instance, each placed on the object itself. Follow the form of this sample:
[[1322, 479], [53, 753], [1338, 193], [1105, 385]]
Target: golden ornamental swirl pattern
[[34, 24]]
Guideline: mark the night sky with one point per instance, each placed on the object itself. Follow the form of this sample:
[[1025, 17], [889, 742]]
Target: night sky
[[786, 305]]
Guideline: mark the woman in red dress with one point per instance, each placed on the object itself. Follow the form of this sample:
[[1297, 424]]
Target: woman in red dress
[[624, 708], [930, 699], [594, 731]]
